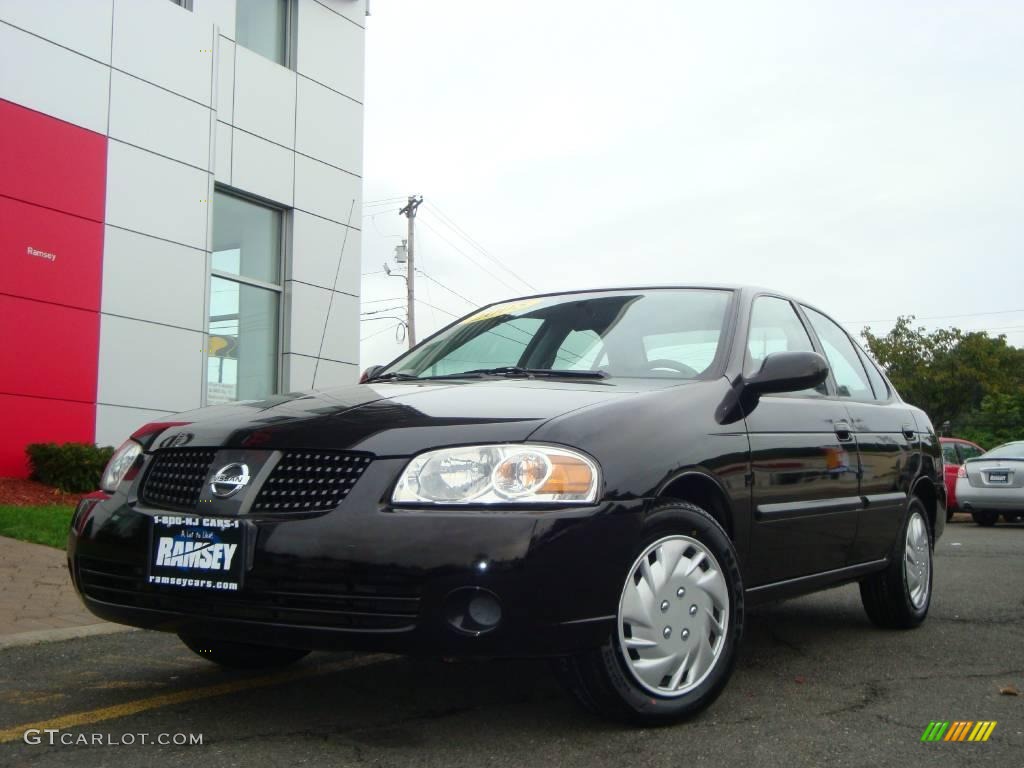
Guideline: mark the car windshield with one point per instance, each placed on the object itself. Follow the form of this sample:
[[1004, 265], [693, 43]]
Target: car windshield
[[650, 334], [1007, 451]]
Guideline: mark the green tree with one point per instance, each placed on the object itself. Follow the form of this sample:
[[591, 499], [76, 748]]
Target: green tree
[[965, 377], [1000, 419]]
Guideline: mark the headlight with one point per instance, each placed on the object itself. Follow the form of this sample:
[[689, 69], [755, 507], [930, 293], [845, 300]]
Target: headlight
[[498, 474], [120, 464]]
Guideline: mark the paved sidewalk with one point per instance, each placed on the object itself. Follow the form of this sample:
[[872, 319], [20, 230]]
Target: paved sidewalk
[[36, 595]]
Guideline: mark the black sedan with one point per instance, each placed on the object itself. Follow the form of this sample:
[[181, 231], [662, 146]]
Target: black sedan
[[608, 478]]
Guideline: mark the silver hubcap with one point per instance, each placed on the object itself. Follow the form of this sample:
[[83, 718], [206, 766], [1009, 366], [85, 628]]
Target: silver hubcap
[[917, 561], [673, 615]]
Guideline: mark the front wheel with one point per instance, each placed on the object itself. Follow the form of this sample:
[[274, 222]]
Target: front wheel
[[678, 625], [899, 596], [241, 655]]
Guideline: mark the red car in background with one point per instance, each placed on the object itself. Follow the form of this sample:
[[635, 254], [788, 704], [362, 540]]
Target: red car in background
[[954, 453]]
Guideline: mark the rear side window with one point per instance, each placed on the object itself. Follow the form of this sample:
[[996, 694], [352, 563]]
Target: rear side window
[[847, 368], [877, 382], [969, 451]]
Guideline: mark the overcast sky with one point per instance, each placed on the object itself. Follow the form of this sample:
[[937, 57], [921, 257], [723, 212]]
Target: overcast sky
[[867, 157]]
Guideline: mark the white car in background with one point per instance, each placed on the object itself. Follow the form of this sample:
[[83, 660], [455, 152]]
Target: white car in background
[[993, 484]]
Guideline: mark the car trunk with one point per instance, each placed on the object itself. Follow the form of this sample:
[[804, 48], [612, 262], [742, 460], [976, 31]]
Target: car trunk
[[995, 473]]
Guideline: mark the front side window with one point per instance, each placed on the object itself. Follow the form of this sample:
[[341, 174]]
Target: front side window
[[847, 369], [949, 454], [774, 327], [262, 27], [655, 334], [245, 296]]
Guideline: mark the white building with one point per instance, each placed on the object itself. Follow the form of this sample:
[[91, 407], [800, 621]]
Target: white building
[[179, 182]]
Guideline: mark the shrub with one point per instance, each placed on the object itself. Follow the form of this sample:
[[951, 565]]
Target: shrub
[[72, 467]]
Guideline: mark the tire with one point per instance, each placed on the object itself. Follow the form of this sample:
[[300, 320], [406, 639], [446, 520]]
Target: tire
[[241, 655], [984, 517], [892, 598], [605, 680], [1013, 517]]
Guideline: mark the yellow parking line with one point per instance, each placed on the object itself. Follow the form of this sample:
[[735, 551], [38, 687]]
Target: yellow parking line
[[178, 697]]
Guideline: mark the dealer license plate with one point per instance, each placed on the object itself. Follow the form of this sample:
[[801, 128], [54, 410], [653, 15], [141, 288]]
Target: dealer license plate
[[197, 552]]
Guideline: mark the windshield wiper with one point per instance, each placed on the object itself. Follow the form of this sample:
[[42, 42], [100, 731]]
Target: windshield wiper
[[393, 376], [515, 370]]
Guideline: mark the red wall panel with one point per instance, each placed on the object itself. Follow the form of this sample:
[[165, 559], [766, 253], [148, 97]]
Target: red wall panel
[[47, 350], [52, 200], [50, 256], [52, 163], [34, 420]]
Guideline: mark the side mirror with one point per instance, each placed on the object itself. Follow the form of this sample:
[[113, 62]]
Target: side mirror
[[370, 372], [780, 372], [788, 372]]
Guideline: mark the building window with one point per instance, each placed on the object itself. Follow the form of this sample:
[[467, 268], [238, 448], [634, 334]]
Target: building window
[[262, 26], [186, 4], [245, 300]]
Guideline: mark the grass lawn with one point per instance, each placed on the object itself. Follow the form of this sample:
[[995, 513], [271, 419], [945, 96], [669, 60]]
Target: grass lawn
[[41, 525]]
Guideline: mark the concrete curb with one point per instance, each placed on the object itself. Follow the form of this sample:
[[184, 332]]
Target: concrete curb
[[40, 636]]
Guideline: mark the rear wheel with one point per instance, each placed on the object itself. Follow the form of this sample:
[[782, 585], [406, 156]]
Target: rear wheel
[[1013, 517], [984, 517], [241, 655], [678, 625], [899, 596]]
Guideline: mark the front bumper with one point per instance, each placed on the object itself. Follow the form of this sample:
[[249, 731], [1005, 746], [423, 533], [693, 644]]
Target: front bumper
[[366, 576]]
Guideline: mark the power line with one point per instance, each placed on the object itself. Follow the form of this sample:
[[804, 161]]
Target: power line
[[470, 258], [386, 317], [450, 290], [380, 311], [428, 304], [380, 301], [383, 330], [381, 201], [936, 317], [983, 330], [446, 219]]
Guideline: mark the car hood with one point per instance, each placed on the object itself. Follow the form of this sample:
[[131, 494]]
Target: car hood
[[399, 418]]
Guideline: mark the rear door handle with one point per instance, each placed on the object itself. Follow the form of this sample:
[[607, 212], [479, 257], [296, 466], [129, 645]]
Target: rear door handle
[[908, 431], [843, 431]]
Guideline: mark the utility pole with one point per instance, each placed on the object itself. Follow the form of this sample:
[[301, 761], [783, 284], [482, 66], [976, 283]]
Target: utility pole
[[409, 211]]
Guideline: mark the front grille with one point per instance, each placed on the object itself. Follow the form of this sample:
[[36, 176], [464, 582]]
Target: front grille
[[176, 476], [306, 481], [358, 606]]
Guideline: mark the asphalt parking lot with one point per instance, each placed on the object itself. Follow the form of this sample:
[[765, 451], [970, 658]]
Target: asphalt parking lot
[[817, 685]]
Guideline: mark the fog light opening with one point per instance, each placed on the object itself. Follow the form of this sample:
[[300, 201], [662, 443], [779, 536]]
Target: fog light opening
[[473, 611]]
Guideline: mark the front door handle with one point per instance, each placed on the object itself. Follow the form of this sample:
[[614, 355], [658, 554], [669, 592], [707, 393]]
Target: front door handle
[[843, 431]]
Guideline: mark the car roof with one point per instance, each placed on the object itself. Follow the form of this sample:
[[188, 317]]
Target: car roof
[[734, 287]]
